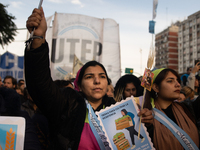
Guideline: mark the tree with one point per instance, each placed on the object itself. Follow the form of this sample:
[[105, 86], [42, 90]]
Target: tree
[[8, 29]]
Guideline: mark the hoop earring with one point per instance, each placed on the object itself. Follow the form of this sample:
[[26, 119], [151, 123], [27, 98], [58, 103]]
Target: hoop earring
[[156, 94]]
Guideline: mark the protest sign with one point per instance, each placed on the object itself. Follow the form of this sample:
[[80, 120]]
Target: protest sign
[[121, 123], [12, 131]]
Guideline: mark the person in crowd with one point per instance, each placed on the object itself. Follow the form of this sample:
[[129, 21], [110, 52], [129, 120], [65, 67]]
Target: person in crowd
[[28, 105], [185, 76], [10, 82], [165, 90], [69, 112], [21, 83], [10, 106], [110, 91], [39, 120], [72, 80], [19, 90], [192, 79], [1, 83], [42, 128], [128, 85], [189, 92], [182, 96], [196, 86]]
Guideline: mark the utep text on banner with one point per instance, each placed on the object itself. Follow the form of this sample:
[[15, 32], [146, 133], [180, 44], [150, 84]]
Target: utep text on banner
[[11, 64], [151, 26], [89, 39]]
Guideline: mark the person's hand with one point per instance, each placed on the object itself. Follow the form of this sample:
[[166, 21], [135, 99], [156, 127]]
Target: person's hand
[[196, 68], [147, 116], [37, 21]]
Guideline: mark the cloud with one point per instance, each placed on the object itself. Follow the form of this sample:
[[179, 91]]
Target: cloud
[[56, 1], [16, 4], [77, 2]]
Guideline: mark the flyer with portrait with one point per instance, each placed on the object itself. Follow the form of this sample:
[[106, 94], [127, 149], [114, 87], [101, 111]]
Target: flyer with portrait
[[121, 125], [147, 80], [12, 131]]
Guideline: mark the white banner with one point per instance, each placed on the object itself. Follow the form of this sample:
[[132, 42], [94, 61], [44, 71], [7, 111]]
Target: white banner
[[77, 64], [89, 39], [49, 33], [11, 64]]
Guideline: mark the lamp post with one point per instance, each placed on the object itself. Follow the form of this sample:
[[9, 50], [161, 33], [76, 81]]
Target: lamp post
[[141, 61]]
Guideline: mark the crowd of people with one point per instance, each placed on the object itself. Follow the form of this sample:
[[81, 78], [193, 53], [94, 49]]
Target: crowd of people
[[60, 114]]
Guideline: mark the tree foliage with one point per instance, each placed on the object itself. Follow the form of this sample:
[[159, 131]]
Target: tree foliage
[[8, 29]]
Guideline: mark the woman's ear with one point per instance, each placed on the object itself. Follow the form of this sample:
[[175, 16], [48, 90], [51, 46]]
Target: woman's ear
[[155, 88]]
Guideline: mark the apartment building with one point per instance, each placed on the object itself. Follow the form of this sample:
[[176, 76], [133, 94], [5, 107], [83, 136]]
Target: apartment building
[[188, 42], [166, 46]]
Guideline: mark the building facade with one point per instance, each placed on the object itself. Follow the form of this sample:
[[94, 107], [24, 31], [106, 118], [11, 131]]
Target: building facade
[[189, 42], [166, 46]]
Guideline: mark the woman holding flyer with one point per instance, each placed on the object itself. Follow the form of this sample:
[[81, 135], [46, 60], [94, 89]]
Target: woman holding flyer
[[174, 127], [73, 123]]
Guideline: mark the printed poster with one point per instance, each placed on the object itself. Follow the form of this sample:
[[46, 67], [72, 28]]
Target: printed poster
[[147, 80], [12, 131], [121, 125]]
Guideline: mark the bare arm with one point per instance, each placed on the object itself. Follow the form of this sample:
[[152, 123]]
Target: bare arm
[[191, 78]]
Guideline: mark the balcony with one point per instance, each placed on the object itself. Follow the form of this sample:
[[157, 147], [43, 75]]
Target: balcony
[[198, 20]]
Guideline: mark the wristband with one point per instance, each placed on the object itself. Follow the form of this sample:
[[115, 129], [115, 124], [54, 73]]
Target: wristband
[[29, 41]]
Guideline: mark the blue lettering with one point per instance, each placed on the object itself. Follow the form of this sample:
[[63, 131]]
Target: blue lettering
[[5, 63], [20, 74]]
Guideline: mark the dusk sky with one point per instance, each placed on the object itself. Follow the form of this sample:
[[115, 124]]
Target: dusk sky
[[133, 17]]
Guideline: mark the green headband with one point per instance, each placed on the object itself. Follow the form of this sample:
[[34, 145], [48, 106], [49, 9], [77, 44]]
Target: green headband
[[156, 73]]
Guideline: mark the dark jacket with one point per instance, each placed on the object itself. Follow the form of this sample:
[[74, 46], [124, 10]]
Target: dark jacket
[[65, 109], [28, 107], [10, 106]]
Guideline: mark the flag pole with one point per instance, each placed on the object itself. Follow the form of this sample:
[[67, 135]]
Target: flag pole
[[150, 60]]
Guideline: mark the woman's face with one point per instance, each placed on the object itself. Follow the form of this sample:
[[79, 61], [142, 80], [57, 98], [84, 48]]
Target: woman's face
[[94, 83], [123, 114], [129, 90], [169, 88]]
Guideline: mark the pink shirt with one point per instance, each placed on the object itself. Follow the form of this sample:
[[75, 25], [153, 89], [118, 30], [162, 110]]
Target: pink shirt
[[88, 140]]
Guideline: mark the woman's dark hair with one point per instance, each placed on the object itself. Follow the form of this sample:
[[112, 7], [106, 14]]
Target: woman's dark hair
[[128, 78], [89, 64], [125, 111], [65, 83], [161, 76]]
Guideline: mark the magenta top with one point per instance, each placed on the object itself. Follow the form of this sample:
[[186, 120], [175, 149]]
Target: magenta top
[[88, 140]]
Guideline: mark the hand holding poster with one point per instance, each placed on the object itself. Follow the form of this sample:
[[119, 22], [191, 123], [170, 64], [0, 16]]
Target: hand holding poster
[[121, 123]]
